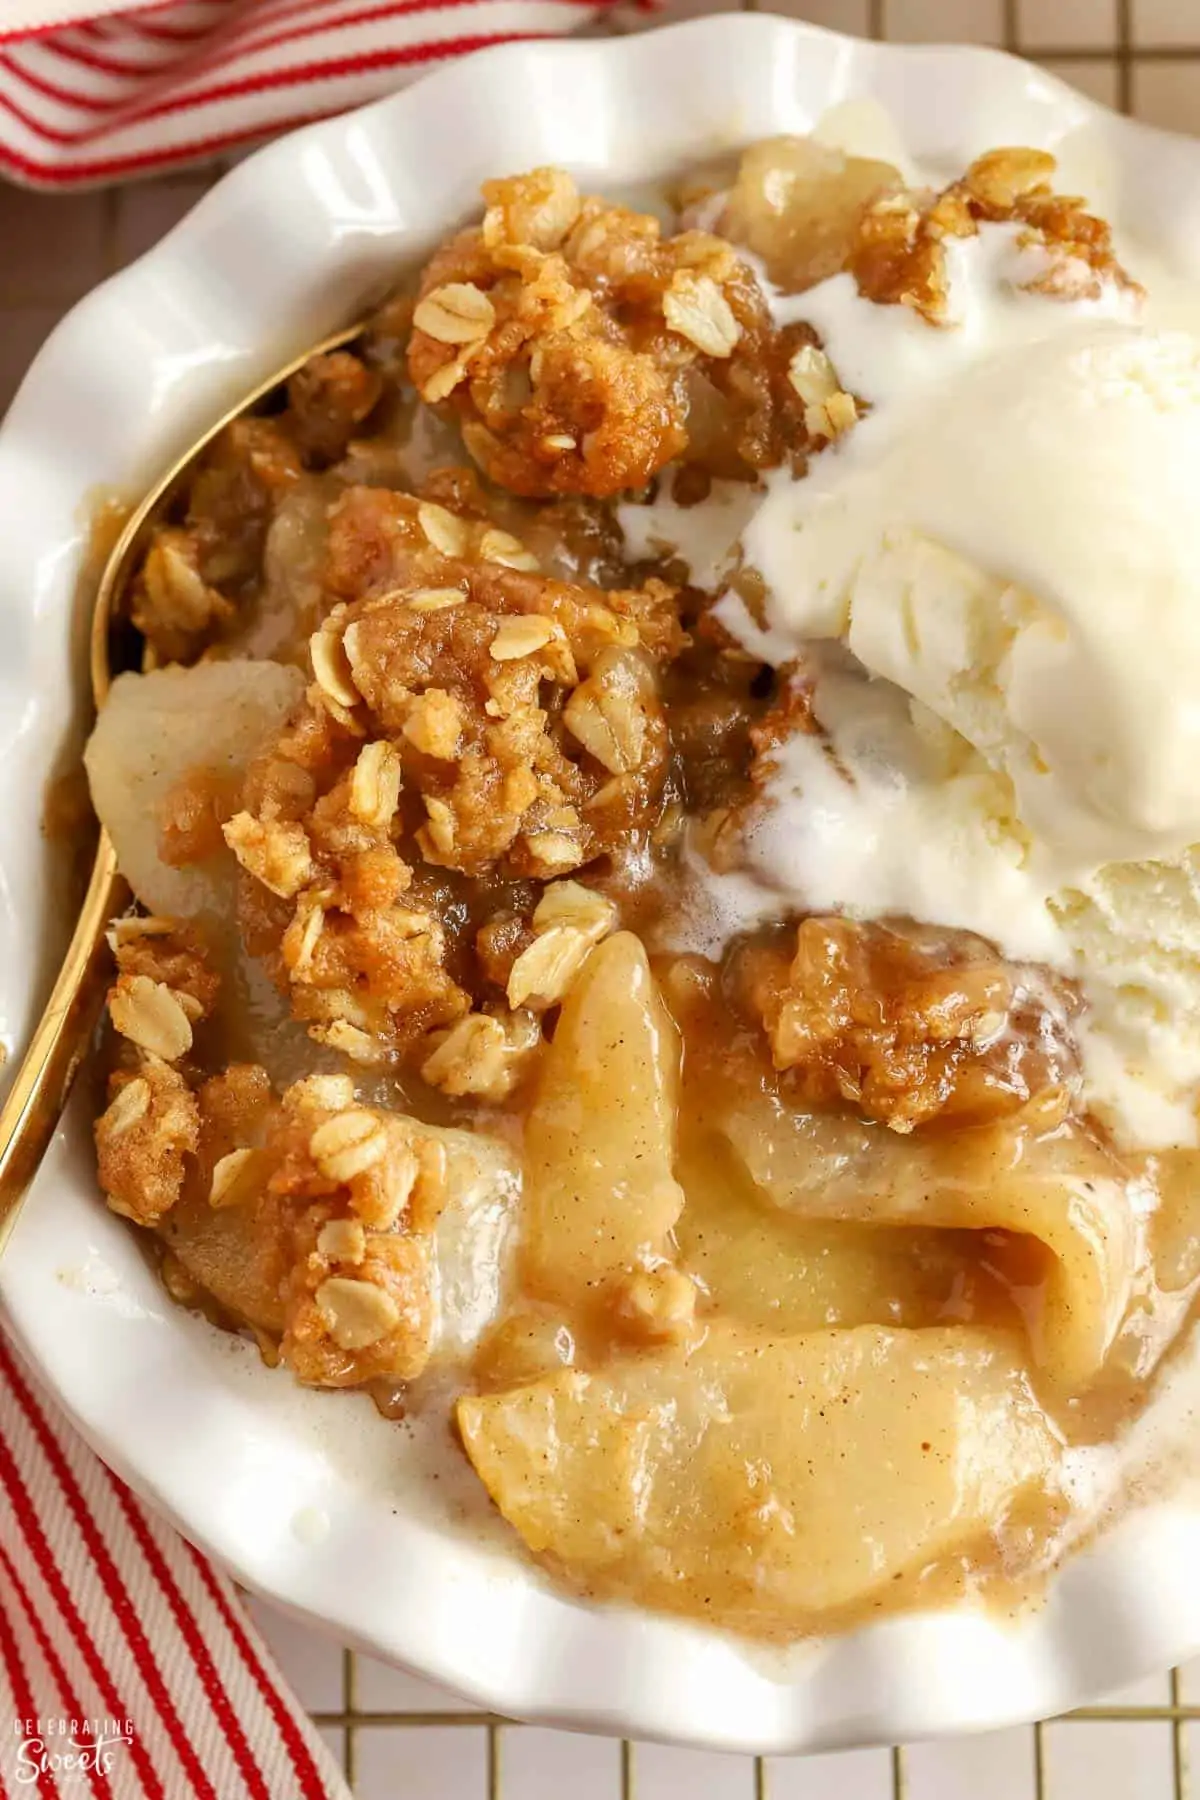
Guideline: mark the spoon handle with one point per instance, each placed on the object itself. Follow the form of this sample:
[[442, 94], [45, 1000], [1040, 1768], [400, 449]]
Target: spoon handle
[[39, 1091]]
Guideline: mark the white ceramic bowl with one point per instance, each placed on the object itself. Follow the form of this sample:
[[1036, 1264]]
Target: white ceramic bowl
[[302, 1495]]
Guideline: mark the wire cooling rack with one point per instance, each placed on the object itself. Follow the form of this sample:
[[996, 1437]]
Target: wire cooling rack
[[401, 1739], [397, 1737]]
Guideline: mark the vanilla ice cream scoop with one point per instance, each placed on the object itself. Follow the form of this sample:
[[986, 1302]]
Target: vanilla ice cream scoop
[[1024, 558]]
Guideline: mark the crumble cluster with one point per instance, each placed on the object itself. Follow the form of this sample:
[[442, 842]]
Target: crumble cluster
[[349, 1195], [580, 348], [499, 725], [898, 255], [906, 1024]]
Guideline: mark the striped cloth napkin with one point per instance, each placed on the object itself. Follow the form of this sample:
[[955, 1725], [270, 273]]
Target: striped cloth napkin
[[128, 1667], [104, 90]]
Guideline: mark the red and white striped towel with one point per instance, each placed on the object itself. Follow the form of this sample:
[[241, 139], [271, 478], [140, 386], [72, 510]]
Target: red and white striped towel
[[104, 90], [128, 1667]]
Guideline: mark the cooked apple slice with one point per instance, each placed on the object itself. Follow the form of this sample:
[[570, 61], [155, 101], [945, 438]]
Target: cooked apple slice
[[600, 1196], [153, 731], [762, 1482], [1062, 1190]]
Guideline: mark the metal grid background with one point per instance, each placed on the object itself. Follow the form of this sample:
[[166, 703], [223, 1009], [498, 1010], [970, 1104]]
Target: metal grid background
[[1172, 1717], [397, 1738], [1136, 1746]]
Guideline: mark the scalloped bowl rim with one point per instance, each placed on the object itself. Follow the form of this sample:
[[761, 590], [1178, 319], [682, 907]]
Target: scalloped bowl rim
[[300, 1495]]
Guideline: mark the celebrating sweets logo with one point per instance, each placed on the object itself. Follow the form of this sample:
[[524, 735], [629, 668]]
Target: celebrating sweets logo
[[68, 1749]]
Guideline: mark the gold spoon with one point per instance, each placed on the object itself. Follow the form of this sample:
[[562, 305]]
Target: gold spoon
[[40, 1087]]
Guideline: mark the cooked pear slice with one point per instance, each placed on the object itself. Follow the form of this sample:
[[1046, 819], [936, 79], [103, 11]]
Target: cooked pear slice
[[1063, 1190], [765, 1267], [473, 1240], [152, 732], [766, 1483], [1175, 1226], [241, 1254], [600, 1195], [797, 202]]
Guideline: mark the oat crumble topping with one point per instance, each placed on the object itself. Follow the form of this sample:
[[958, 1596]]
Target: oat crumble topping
[[899, 258], [512, 747]]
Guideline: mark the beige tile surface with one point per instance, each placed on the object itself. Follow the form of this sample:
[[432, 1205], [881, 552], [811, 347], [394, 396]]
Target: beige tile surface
[[428, 1764], [944, 21], [854, 1775], [1131, 1760], [557, 1765], [53, 247], [997, 1765], [23, 330], [661, 1773], [146, 213], [1165, 22], [1095, 76], [1168, 93], [853, 16], [1066, 24]]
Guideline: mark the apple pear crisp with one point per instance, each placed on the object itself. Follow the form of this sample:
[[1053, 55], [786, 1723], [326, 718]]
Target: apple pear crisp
[[768, 1260]]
